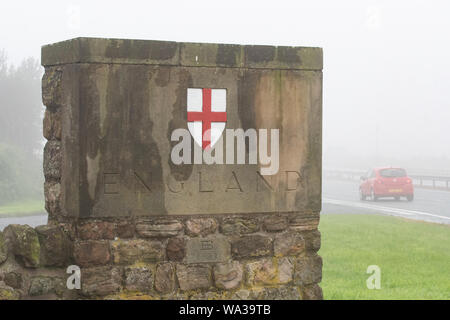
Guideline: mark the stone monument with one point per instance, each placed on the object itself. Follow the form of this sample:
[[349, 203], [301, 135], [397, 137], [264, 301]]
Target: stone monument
[[179, 170]]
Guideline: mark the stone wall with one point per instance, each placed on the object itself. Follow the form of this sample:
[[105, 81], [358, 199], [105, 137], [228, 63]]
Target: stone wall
[[153, 253], [264, 257]]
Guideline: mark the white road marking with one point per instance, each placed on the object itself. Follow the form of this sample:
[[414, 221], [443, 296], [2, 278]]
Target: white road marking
[[381, 208]]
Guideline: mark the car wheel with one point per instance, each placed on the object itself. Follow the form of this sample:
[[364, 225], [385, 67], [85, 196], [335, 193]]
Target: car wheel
[[362, 197], [397, 198], [410, 197], [373, 196]]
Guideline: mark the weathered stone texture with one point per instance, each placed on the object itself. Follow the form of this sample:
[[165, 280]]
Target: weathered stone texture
[[96, 230], [286, 270], [308, 270], [25, 245], [210, 249], [212, 55], [209, 295], [101, 281], [275, 224], [8, 293], [312, 240], [243, 294], [201, 226], [138, 279], [251, 246], [312, 292], [13, 279], [52, 91], [125, 229], [91, 253], [159, 229], [288, 244], [228, 275], [127, 252], [145, 52], [192, 277], [56, 247], [46, 285], [280, 293], [304, 223], [165, 278], [3, 249], [52, 124], [261, 272], [52, 160], [235, 226], [52, 192], [176, 249]]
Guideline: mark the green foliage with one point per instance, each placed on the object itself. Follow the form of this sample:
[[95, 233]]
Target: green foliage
[[20, 105], [413, 257], [23, 208], [21, 140], [20, 178]]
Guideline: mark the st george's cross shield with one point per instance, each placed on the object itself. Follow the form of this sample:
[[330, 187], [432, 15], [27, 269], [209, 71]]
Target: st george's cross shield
[[206, 115]]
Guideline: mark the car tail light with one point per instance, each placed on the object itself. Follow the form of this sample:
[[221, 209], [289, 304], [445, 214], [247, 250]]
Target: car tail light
[[408, 181], [379, 181]]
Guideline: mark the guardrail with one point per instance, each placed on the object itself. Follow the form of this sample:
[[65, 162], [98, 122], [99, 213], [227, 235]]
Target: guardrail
[[420, 181], [437, 182]]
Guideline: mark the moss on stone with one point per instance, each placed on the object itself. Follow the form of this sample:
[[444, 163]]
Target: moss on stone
[[3, 249], [25, 244]]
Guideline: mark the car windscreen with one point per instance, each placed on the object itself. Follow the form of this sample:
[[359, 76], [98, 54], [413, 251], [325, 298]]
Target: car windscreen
[[392, 173]]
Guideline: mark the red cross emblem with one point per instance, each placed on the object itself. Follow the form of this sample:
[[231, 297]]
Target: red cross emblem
[[206, 115]]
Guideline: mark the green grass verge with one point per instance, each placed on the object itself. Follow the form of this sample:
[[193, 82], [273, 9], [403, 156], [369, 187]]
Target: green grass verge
[[414, 257], [23, 208]]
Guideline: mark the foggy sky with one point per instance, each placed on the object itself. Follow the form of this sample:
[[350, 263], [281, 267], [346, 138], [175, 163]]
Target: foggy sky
[[386, 63]]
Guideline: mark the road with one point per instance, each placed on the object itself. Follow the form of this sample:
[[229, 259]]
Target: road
[[342, 197], [428, 205], [32, 221]]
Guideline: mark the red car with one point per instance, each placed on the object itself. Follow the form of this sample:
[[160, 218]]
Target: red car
[[386, 182]]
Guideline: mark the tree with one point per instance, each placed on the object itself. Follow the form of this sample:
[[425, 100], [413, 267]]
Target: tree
[[20, 105], [20, 130]]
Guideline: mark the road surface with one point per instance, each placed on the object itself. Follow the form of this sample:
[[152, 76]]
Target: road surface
[[32, 221], [428, 205]]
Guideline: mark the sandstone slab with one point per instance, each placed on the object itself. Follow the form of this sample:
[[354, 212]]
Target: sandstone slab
[[101, 281], [228, 275], [212, 249], [165, 278], [134, 92], [261, 272], [308, 270], [197, 226], [192, 277], [127, 252], [251, 246], [91, 253], [288, 244], [139, 279]]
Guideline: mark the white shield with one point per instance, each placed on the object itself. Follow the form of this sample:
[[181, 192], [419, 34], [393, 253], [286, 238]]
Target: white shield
[[206, 109]]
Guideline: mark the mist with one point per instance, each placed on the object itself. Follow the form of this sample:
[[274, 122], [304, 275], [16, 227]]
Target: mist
[[386, 66]]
